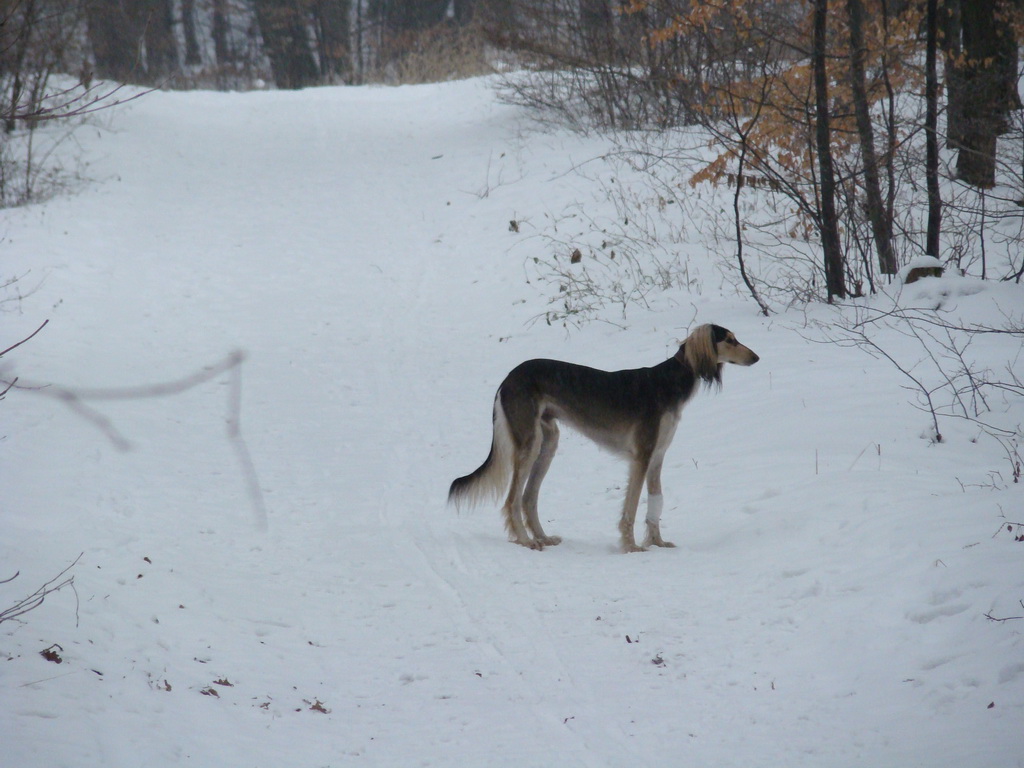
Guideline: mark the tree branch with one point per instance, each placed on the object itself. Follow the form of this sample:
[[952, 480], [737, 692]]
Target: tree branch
[[27, 338], [37, 598], [75, 400]]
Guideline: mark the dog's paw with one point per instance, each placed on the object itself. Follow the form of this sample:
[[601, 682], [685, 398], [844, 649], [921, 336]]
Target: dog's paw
[[530, 544], [550, 541], [633, 547], [660, 543]]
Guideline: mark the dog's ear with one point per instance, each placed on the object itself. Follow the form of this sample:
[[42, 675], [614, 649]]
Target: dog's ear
[[700, 352], [719, 334]]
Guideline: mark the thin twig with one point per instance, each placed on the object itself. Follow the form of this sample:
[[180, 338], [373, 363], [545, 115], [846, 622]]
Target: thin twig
[[990, 617], [1008, 526], [27, 338], [55, 677], [37, 598]]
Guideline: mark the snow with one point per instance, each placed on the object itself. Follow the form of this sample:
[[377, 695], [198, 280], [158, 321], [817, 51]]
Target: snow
[[826, 604]]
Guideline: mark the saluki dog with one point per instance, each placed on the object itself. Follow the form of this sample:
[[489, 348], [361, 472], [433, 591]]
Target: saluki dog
[[632, 413]]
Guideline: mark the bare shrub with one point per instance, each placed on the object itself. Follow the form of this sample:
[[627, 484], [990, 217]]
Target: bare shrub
[[37, 598], [606, 65], [941, 368], [614, 252], [441, 53], [40, 42]]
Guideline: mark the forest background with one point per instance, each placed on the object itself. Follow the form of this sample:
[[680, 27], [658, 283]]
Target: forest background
[[839, 108]]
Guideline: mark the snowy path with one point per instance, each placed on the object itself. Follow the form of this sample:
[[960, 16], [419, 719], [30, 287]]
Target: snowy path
[[355, 244]]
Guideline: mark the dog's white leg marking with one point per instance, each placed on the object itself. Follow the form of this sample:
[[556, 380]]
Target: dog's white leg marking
[[549, 444], [655, 501]]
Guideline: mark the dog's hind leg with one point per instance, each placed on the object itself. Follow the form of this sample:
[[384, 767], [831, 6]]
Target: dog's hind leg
[[654, 504], [523, 460], [637, 473], [548, 446]]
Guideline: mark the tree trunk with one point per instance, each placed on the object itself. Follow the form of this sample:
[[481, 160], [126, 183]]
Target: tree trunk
[[828, 221], [115, 41], [738, 224], [982, 71], [1008, 18], [596, 30], [286, 42], [931, 121], [400, 16], [497, 17], [881, 227], [15, 33], [399, 22], [949, 20], [333, 39], [193, 57], [360, 51], [157, 21], [464, 11], [221, 47]]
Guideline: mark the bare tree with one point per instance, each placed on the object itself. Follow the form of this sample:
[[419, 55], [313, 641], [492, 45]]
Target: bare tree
[[828, 224], [334, 45], [931, 95], [283, 27], [157, 23], [881, 225], [984, 79], [113, 42], [219, 32], [191, 33]]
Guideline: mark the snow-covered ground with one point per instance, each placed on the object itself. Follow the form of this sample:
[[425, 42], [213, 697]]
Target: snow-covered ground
[[826, 605]]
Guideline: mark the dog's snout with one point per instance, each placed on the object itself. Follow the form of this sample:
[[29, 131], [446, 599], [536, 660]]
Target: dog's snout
[[754, 357]]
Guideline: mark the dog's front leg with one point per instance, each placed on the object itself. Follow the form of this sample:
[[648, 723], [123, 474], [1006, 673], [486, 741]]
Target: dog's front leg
[[637, 471], [655, 502]]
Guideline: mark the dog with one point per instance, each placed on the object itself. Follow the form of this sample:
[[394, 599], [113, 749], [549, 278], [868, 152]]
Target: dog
[[633, 413]]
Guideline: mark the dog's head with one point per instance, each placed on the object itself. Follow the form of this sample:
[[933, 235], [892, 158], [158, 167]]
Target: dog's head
[[729, 350], [709, 347]]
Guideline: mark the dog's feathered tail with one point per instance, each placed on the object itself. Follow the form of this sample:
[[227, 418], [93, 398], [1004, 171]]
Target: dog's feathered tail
[[491, 478]]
